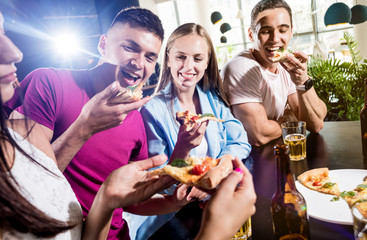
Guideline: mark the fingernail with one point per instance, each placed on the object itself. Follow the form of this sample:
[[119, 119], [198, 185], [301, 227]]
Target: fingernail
[[239, 170], [114, 86]]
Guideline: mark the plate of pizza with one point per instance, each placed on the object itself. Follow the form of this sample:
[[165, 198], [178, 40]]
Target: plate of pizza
[[329, 194]]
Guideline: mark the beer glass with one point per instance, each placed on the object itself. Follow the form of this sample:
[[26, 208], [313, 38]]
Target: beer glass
[[359, 221], [245, 232], [294, 135]]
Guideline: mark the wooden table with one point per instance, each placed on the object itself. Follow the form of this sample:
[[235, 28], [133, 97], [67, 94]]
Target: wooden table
[[337, 146]]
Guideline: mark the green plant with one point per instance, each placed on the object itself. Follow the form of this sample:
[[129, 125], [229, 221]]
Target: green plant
[[341, 84]]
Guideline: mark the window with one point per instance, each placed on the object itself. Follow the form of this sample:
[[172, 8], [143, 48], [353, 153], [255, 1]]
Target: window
[[238, 14]]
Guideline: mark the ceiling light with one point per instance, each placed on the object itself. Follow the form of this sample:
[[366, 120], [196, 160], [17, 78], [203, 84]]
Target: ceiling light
[[338, 13], [216, 17], [225, 27], [359, 14], [223, 39]]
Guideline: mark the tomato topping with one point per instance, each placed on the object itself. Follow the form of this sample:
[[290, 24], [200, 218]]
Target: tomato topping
[[194, 118], [316, 183], [199, 169]]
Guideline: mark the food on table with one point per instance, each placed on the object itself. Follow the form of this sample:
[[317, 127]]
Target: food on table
[[318, 179], [356, 195], [362, 208], [189, 119], [204, 172]]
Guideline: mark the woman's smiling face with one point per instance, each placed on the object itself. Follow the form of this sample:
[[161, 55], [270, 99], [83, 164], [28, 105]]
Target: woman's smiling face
[[188, 59]]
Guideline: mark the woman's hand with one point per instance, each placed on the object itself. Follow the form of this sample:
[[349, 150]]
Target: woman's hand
[[230, 206], [132, 184], [185, 194], [187, 140], [127, 185]]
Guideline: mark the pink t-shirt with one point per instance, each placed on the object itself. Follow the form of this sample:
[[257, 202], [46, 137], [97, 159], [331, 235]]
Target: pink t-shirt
[[247, 81], [55, 98]]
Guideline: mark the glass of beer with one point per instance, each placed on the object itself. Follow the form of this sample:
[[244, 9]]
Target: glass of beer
[[359, 213], [294, 135], [245, 231]]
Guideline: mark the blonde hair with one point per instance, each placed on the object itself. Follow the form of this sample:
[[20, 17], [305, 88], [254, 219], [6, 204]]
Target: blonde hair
[[211, 79]]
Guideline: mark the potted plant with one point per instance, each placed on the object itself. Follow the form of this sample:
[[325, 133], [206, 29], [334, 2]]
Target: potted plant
[[341, 84]]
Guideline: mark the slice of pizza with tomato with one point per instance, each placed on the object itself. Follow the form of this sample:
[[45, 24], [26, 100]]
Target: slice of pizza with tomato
[[280, 55], [205, 172], [318, 179], [130, 94], [189, 119]]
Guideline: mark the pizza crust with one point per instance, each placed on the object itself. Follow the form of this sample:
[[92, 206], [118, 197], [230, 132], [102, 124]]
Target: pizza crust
[[216, 174], [208, 180], [129, 95], [189, 119]]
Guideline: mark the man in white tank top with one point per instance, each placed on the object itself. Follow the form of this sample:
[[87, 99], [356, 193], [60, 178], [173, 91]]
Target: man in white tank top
[[263, 93]]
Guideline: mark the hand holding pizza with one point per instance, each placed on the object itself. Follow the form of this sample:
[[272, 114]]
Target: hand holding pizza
[[98, 114], [185, 194], [296, 65], [131, 184], [230, 206], [187, 140]]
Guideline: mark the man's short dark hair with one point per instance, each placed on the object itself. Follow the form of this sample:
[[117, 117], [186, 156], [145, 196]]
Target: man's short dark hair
[[140, 17], [268, 4]]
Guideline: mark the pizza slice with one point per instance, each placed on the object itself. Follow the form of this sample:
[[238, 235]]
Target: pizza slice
[[131, 94], [279, 55], [189, 119], [318, 179], [362, 208], [358, 194], [203, 172]]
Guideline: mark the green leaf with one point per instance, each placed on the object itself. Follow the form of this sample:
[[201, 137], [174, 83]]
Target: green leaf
[[328, 185], [179, 163], [336, 198], [347, 194], [132, 88]]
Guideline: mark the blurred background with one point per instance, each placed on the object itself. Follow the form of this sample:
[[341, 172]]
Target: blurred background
[[54, 33]]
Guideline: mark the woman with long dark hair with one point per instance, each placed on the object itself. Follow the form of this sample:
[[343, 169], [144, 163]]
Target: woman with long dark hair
[[36, 201]]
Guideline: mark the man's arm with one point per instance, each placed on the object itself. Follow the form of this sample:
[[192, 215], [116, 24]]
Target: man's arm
[[310, 108], [259, 128], [97, 115], [306, 105]]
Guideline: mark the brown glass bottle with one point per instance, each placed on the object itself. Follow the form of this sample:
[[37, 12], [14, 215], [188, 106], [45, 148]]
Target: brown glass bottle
[[288, 207], [363, 119]]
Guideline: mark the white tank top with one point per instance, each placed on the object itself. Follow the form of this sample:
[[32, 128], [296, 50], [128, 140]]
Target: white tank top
[[51, 193]]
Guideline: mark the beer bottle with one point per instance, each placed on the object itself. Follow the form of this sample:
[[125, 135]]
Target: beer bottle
[[288, 207], [363, 119]]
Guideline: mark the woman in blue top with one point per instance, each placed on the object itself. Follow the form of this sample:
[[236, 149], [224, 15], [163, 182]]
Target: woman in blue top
[[190, 80]]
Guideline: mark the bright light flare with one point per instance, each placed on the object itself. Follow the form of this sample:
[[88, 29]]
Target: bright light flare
[[66, 44]]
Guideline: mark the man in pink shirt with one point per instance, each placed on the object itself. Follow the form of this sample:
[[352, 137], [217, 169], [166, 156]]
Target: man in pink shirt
[[264, 93], [90, 136]]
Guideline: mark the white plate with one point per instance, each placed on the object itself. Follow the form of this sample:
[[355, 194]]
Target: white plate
[[319, 205]]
